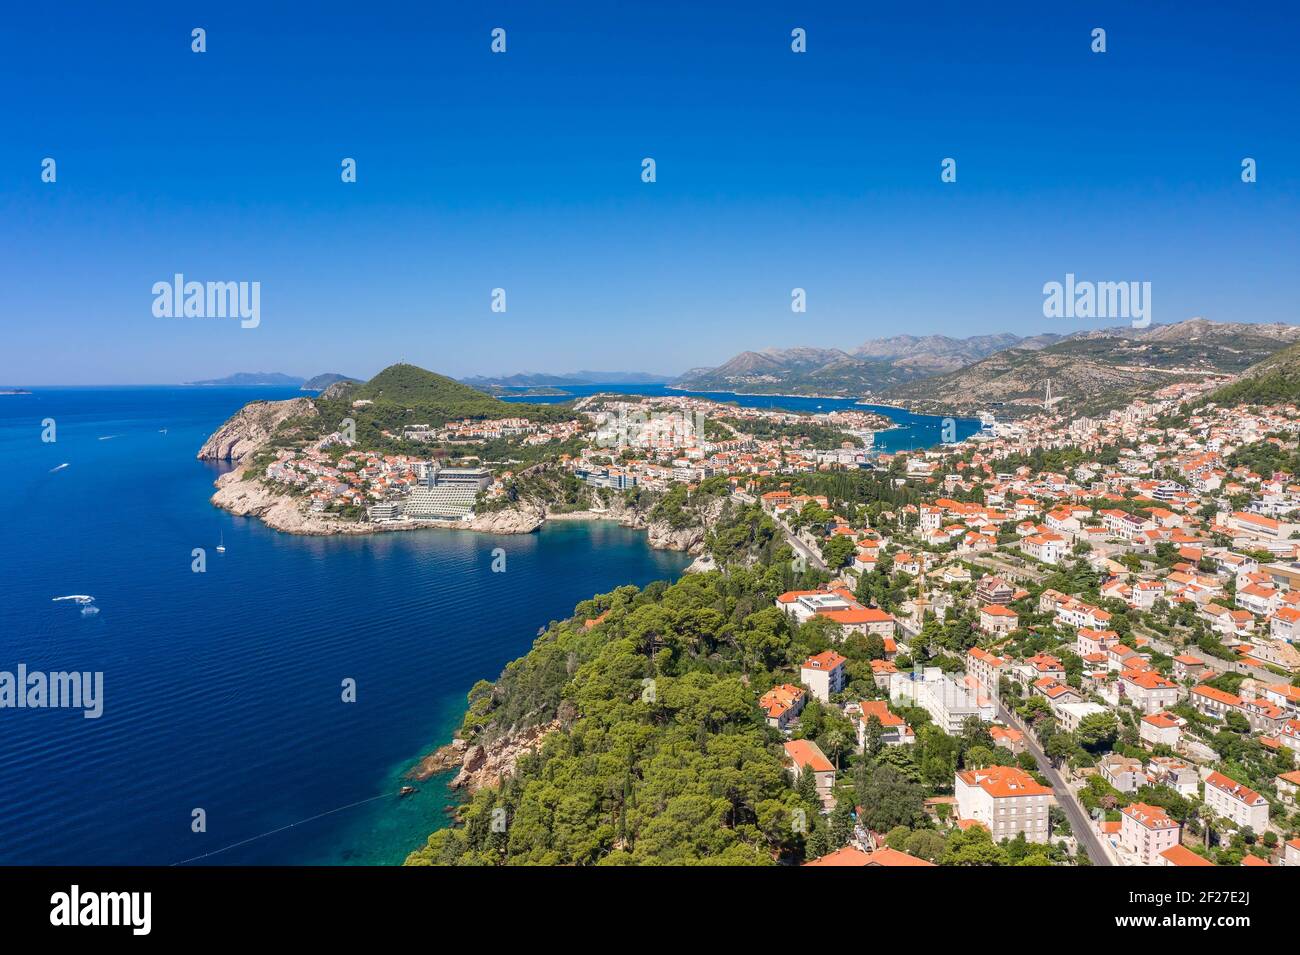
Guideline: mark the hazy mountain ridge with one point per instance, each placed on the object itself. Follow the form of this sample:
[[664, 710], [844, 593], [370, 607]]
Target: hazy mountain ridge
[[1097, 367], [943, 353], [1097, 370], [321, 382], [875, 364], [276, 379]]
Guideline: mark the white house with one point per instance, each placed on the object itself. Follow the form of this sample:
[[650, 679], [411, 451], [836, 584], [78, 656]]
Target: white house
[[1148, 690], [1006, 800], [1047, 547], [823, 674], [1238, 804], [1146, 831], [1161, 729]]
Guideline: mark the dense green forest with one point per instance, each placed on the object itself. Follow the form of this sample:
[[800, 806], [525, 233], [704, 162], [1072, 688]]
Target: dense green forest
[[404, 395], [1275, 380], [662, 755]]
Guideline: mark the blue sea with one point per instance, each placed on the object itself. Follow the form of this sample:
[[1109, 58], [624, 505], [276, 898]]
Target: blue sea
[[914, 430], [222, 690]]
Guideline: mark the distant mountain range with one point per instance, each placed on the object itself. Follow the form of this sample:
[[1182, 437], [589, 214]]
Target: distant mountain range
[[875, 365], [1091, 370], [244, 378], [321, 382]]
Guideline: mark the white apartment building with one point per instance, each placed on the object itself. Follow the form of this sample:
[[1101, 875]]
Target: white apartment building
[[1238, 804], [823, 674], [1047, 547], [1070, 715], [1161, 728], [1146, 831], [949, 700], [1006, 800], [1149, 691], [985, 667], [1291, 853]]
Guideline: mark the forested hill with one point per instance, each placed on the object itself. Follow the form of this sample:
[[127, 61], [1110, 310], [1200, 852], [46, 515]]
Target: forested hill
[[1274, 380], [661, 756], [403, 395], [657, 752]]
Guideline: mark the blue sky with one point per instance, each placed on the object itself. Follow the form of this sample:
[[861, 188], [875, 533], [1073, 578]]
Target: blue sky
[[522, 171]]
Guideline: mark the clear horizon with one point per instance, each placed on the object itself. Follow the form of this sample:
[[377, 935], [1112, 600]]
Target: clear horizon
[[658, 377], [522, 171]]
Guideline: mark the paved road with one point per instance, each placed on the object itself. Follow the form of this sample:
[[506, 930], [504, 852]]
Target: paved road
[[809, 554], [799, 546], [1080, 824]]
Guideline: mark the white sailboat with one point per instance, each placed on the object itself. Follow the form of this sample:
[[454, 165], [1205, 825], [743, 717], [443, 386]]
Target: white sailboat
[[221, 545]]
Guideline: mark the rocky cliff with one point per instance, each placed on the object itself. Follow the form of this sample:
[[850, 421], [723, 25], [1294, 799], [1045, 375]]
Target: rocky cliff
[[661, 535], [243, 494], [664, 536], [482, 765], [252, 426], [516, 520]]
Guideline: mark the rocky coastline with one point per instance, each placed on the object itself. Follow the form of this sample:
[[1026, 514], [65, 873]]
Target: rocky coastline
[[481, 765], [244, 494]]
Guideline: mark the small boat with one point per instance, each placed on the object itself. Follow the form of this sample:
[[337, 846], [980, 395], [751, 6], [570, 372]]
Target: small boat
[[221, 546], [406, 791], [88, 608], [59, 468], [162, 430]]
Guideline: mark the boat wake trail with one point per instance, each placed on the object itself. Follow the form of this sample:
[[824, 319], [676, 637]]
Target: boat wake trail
[[271, 832]]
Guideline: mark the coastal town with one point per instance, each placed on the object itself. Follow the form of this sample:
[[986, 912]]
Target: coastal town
[[1116, 626], [627, 443], [1054, 641], [461, 449]]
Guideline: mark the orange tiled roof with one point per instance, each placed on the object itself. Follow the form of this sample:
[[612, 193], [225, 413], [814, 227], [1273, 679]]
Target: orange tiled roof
[[808, 755]]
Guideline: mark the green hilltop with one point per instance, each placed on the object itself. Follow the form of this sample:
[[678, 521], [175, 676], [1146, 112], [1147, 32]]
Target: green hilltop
[[404, 395], [1274, 380]]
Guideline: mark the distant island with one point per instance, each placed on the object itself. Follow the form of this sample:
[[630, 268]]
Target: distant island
[[531, 380], [321, 382], [538, 391], [14, 391], [247, 379]]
